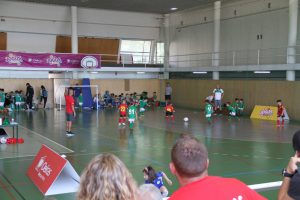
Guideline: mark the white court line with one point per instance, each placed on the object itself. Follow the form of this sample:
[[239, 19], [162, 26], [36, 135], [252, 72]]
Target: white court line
[[47, 139]]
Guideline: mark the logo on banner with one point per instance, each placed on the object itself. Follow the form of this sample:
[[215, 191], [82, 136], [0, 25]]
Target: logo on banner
[[266, 112], [13, 59], [35, 60], [43, 168], [89, 62], [53, 60]]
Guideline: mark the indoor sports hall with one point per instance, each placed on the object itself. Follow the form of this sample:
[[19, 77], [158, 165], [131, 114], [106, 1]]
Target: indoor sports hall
[[223, 71]]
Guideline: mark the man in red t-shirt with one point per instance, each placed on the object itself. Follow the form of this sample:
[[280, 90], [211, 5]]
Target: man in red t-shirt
[[280, 113], [123, 112], [189, 165], [70, 110]]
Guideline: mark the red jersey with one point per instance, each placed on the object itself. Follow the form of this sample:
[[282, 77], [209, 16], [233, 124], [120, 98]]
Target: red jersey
[[280, 111], [216, 188], [69, 103], [123, 109], [169, 108]]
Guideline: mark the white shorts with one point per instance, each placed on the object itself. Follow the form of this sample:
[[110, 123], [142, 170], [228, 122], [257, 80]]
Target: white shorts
[[131, 120], [80, 104], [232, 113], [142, 109], [1, 104], [18, 103], [208, 115]]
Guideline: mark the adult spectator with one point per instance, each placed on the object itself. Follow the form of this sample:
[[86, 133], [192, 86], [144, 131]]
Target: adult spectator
[[190, 166], [107, 178], [44, 95], [29, 95], [168, 94], [149, 192], [290, 188], [218, 96]]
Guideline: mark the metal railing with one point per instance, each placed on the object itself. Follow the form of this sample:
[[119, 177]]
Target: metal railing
[[131, 60], [269, 56]]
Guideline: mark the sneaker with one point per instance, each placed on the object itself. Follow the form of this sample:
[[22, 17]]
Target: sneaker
[[119, 124], [124, 124], [69, 134]]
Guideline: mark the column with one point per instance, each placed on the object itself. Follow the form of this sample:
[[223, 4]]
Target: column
[[166, 25], [74, 29], [292, 39], [216, 76], [217, 32]]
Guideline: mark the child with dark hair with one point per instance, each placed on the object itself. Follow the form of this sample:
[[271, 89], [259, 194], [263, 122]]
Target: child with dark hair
[[280, 113], [231, 110], [235, 105], [241, 107], [208, 110], [156, 178]]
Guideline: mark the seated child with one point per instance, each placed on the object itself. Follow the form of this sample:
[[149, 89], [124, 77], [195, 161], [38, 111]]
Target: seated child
[[156, 178]]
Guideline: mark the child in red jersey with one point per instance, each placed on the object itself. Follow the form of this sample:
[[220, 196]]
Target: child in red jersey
[[169, 111], [280, 113], [123, 112]]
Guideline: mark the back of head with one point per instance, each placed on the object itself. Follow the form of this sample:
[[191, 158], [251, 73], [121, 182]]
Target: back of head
[[149, 192], [296, 141], [189, 156], [106, 178]]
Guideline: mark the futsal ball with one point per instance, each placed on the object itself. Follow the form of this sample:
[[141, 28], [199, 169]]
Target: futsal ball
[[186, 119], [3, 140]]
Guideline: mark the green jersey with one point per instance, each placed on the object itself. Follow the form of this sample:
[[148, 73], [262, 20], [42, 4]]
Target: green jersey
[[132, 112], [231, 109], [208, 108], [241, 105], [18, 98], [142, 104], [2, 97], [235, 104], [154, 97], [80, 99]]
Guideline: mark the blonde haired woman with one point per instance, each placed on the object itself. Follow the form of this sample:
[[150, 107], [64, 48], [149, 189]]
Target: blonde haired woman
[[107, 178]]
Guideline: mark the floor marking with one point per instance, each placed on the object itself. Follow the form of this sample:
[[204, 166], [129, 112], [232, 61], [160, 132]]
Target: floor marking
[[46, 138]]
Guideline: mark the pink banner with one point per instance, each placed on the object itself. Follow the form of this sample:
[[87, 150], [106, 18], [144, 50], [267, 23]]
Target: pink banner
[[49, 60]]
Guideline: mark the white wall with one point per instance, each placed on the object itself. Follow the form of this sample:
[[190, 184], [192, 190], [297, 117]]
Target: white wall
[[38, 24], [190, 33]]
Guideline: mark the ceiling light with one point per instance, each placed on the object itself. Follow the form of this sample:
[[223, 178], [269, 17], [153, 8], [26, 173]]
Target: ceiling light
[[140, 72], [173, 8], [262, 72], [94, 72], [199, 72]]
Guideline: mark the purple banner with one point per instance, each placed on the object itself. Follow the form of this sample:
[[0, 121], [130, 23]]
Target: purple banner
[[49, 60]]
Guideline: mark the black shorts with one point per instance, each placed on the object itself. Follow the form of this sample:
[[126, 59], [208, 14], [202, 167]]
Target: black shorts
[[169, 113], [122, 115], [168, 97]]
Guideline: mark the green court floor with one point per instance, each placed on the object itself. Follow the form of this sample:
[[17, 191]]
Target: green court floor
[[250, 150]]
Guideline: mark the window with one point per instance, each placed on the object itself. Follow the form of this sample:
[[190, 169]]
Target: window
[[136, 50], [160, 53]]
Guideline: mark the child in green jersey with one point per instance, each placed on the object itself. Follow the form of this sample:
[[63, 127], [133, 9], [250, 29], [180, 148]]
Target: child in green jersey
[[208, 110], [80, 101], [132, 115]]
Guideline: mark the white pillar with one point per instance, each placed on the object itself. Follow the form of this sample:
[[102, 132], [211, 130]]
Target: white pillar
[[167, 40], [217, 32], [290, 75], [292, 39], [74, 29], [153, 52], [216, 76]]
